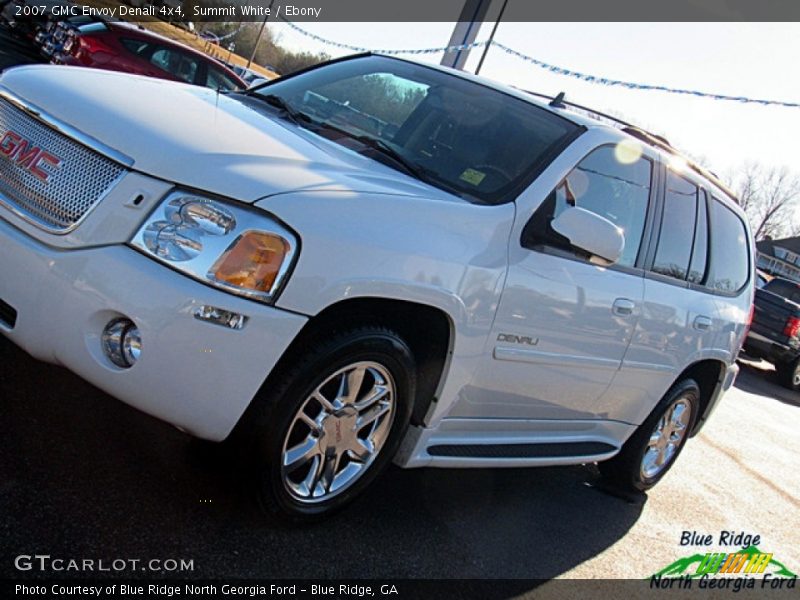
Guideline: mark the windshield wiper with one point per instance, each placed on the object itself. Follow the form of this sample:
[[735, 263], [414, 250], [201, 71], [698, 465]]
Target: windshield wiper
[[385, 149], [377, 144], [381, 147], [417, 171], [297, 117]]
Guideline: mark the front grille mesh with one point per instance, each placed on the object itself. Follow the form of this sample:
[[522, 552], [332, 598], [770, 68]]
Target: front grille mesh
[[72, 189]]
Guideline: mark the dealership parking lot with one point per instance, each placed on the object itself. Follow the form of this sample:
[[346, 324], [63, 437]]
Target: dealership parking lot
[[84, 476]]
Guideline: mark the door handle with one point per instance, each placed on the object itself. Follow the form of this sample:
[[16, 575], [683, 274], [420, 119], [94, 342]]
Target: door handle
[[623, 307], [702, 323]]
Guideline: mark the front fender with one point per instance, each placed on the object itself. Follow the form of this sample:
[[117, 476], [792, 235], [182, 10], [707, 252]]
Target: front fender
[[448, 254]]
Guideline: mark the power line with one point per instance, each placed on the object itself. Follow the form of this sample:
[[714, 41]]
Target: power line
[[555, 69]]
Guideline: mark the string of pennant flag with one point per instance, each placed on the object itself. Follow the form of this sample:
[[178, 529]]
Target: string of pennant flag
[[546, 66], [313, 36], [235, 32]]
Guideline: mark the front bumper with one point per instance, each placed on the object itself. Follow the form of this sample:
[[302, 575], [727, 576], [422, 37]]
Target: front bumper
[[195, 375], [760, 346]]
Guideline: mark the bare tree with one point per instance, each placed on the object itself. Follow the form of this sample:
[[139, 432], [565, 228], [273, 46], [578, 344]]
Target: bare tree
[[270, 51], [771, 198]]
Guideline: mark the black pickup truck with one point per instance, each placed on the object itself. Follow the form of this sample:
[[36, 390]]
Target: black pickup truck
[[775, 330]]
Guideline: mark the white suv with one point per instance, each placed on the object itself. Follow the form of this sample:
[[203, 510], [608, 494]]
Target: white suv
[[370, 260]]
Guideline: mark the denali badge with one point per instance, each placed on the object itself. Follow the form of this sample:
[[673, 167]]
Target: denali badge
[[517, 339], [24, 154]]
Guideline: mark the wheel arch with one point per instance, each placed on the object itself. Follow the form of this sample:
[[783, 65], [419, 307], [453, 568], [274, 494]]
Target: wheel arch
[[428, 330], [709, 375]]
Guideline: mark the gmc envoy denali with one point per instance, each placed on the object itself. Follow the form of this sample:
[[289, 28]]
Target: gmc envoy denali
[[370, 260]]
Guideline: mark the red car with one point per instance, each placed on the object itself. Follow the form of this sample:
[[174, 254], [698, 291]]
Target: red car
[[133, 49]]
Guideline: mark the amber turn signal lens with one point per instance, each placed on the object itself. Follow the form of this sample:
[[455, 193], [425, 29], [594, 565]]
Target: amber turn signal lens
[[252, 262]]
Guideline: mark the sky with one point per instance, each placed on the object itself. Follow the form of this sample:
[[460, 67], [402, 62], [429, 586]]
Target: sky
[[743, 59]]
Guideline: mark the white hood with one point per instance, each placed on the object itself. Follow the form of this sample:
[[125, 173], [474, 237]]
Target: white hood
[[195, 137]]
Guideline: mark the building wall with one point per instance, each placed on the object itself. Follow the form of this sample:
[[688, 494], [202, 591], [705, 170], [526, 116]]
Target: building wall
[[785, 264]]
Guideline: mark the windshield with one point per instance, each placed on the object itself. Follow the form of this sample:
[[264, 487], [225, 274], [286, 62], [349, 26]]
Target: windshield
[[458, 135]]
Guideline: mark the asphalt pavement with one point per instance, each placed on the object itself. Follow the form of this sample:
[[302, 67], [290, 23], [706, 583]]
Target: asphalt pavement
[[83, 475]]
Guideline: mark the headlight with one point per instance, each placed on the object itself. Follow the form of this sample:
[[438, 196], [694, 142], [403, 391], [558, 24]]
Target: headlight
[[220, 243]]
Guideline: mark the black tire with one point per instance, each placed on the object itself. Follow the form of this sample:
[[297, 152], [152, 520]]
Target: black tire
[[789, 374], [625, 470], [270, 419]]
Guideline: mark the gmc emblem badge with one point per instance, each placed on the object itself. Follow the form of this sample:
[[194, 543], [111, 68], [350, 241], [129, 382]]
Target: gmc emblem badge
[[25, 154]]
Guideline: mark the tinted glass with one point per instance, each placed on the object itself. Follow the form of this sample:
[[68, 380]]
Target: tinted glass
[[618, 191], [729, 252], [218, 80], [182, 66], [137, 47], [94, 27], [697, 268], [379, 102], [461, 136], [677, 228]]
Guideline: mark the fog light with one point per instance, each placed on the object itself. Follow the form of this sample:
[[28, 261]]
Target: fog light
[[122, 342]]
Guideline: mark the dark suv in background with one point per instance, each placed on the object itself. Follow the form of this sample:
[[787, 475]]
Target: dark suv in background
[[775, 331]]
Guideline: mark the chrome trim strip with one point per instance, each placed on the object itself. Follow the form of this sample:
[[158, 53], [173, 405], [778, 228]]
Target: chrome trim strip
[[645, 366], [66, 129], [557, 360]]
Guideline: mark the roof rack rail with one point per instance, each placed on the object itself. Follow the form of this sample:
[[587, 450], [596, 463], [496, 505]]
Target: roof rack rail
[[559, 102], [649, 138]]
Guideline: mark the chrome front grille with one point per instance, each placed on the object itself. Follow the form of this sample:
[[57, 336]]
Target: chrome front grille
[[54, 194]]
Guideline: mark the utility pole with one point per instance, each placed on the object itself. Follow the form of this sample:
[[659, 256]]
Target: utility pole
[[260, 33], [466, 31], [491, 38]]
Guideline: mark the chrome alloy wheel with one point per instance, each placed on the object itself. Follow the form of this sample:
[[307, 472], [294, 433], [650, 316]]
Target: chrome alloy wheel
[[338, 432], [666, 438]]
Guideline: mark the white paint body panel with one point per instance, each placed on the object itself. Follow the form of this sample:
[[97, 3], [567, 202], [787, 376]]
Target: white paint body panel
[[235, 151], [197, 376], [367, 231]]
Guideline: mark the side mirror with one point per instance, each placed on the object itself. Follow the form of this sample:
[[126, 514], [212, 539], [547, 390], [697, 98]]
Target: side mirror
[[257, 81], [592, 233]]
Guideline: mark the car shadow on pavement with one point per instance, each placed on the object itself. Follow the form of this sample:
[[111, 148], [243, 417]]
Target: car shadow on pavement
[[758, 377], [83, 475]]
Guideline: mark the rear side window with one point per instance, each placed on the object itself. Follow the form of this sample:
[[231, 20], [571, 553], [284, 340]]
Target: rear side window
[[137, 47], [218, 80], [676, 238], [95, 27], [618, 191], [697, 268], [181, 65], [730, 257]]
